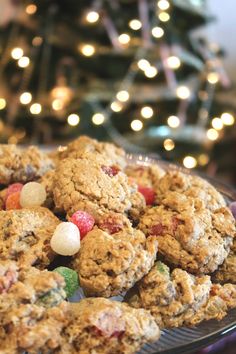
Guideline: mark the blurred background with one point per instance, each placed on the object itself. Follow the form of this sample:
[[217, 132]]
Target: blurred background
[[154, 76]]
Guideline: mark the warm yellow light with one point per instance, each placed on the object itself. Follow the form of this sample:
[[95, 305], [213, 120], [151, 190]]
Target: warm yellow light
[[213, 78], [3, 103], [73, 119], [135, 24], [122, 96], [168, 144], [37, 41], [212, 134], [136, 125], [23, 62], [203, 159], [87, 50], [189, 162], [17, 53], [163, 4], [124, 38], [227, 118], [164, 16], [173, 121], [92, 16], [217, 123], [151, 72], [116, 106], [143, 64], [36, 108], [31, 9], [157, 32], [98, 118], [147, 112], [25, 98], [57, 104], [173, 62], [183, 92]]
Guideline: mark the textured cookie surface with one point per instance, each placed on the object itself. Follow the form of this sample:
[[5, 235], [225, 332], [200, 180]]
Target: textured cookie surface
[[147, 176], [25, 236], [109, 264], [227, 271]]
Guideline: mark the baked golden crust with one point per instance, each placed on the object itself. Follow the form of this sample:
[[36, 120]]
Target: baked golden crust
[[227, 271], [147, 176]]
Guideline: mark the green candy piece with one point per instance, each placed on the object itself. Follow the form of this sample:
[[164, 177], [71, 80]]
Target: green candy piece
[[162, 268], [71, 279]]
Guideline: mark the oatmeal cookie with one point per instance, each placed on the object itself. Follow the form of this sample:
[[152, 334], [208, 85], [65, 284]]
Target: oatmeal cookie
[[191, 186], [47, 181], [109, 264], [18, 165], [227, 271], [178, 298], [147, 176], [103, 326], [85, 184], [189, 234], [25, 236]]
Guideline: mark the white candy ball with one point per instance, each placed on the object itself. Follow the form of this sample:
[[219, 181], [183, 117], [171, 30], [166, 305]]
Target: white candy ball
[[32, 194], [66, 239]]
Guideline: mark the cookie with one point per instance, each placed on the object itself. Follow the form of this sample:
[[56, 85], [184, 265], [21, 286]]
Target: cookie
[[227, 271], [178, 298], [189, 234], [103, 326], [18, 165], [147, 176], [85, 184], [111, 263], [25, 236], [191, 186]]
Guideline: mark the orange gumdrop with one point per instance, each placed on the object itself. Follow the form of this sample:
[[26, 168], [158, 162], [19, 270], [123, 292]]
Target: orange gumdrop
[[13, 201]]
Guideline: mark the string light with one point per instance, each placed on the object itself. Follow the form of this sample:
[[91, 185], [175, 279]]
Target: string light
[[36, 108], [164, 16], [217, 123], [173, 62], [25, 98], [3, 103], [87, 50], [23, 62], [163, 4], [168, 144], [183, 92], [136, 125], [203, 159], [227, 118], [135, 24], [17, 53], [124, 38], [31, 9], [98, 118], [157, 32], [143, 64], [212, 134], [57, 104], [147, 112], [92, 16], [122, 96], [151, 72], [37, 41], [73, 119], [173, 121], [213, 78], [116, 106], [189, 162]]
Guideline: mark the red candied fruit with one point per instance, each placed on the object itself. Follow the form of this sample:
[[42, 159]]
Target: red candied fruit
[[148, 194], [13, 201], [13, 188], [110, 226], [111, 171], [157, 229], [84, 221]]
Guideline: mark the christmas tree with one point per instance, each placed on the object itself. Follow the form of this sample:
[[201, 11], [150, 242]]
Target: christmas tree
[[133, 71]]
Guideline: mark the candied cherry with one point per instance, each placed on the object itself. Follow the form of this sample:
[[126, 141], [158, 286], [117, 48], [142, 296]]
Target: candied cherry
[[148, 194]]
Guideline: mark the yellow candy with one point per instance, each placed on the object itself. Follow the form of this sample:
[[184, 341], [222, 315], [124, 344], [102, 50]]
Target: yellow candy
[[32, 194], [66, 239]]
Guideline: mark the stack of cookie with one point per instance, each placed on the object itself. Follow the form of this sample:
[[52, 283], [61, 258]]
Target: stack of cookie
[[164, 240]]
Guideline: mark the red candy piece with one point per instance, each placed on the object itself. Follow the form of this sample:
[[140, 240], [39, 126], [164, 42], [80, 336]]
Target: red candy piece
[[157, 229], [13, 201], [84, 221], [148, 194], [13, 188], [110, 226], [111, 171]]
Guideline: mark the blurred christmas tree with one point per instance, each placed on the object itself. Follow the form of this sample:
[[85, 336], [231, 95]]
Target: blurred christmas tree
[[132, 70]]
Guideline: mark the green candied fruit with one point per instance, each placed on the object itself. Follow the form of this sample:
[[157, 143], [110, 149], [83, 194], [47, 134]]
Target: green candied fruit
[[51, 298], [162, 268], [71, 280]]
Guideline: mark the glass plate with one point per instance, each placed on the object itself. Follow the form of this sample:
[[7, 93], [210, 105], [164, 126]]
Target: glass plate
[[184, 340]]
